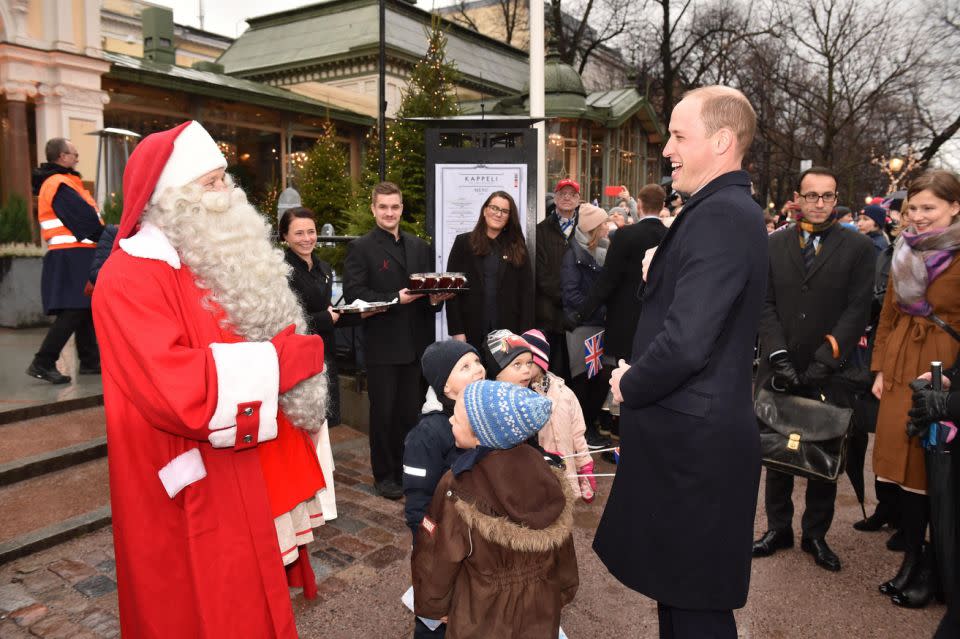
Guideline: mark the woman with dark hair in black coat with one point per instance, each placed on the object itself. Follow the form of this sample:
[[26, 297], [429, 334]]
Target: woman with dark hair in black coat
[[312, 281], [494, 257]]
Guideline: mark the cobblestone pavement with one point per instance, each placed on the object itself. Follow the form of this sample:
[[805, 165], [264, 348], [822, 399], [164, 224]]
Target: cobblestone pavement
[[362, 563]]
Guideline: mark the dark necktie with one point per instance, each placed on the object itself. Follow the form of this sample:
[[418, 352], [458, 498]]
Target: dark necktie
[[809, 252]]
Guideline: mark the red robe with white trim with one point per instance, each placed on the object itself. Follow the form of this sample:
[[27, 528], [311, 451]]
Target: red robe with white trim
[[203, 562]]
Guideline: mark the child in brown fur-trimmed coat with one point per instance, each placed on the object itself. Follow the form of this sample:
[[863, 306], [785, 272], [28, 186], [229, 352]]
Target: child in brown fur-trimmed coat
[[494, 554]]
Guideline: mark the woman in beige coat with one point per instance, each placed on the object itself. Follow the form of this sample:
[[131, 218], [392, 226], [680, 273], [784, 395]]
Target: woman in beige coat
[[924, 284]]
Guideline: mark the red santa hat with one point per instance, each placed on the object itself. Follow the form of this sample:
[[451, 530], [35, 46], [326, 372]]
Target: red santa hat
[[175, 157]]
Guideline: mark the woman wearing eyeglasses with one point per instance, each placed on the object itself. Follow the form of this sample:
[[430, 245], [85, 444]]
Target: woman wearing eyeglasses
[[494, 257]]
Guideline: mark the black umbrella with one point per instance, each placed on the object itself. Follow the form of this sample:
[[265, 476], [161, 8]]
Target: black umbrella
[[856, 457], [849, 393], [864, 418], [943, 515], [942, 491]]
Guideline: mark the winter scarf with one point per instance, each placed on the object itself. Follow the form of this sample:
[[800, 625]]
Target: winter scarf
[[815, 229], [599, 253], [918, 259]]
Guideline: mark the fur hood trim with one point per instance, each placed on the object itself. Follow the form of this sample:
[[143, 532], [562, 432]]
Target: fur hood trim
[[508, 534]]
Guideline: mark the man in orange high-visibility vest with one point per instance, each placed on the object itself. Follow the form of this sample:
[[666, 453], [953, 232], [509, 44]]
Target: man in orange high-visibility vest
[[70, 225]]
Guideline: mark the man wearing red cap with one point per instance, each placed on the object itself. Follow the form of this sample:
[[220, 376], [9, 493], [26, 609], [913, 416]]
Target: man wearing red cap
[[553, 237], [205, 383]]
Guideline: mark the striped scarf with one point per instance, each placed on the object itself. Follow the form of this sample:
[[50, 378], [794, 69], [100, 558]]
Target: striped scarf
[[566, 225], [918, 259]]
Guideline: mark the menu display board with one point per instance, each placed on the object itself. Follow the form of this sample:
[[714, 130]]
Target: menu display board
[[461, 190]]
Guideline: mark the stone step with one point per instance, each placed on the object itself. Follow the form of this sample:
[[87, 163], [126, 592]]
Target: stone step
[[49, 504], [47, 462], [48, 509], [56, 533], [32, 447]]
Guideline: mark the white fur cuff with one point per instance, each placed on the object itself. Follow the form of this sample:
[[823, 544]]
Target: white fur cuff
[[246, 372], [181, 471]]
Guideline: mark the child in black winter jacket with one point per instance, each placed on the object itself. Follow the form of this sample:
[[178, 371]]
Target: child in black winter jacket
[[429, 450]]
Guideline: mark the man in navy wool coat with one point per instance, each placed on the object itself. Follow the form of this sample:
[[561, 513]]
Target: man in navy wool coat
[[678, 526]]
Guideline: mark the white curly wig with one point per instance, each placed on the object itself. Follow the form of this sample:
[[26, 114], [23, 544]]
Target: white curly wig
[[226, 244]]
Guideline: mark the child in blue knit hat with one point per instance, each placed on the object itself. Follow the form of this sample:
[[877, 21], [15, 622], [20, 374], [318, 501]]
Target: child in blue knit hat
[[494, 554]]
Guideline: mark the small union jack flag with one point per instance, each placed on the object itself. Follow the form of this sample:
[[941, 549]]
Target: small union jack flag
[[592, 352]]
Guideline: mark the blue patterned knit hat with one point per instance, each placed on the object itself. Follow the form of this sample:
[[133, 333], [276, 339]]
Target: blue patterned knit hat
[[503, 415]]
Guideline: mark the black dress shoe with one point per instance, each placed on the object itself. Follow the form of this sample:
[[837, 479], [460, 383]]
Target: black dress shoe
[[922, 586], [873, 523], [89, 370], [596, 441], [896, 542], [822, 555], [910, 564], [388, 489], [771, 542], [51, 375]]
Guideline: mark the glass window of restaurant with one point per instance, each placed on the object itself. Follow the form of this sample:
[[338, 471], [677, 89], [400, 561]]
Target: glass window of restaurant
[[567, 151], [249, 136]]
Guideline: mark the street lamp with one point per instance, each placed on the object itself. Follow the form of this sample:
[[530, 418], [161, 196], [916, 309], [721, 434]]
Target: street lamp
[[896, 168]]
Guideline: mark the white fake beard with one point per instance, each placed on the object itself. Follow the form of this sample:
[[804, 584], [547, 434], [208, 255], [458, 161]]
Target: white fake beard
[[226, 244]]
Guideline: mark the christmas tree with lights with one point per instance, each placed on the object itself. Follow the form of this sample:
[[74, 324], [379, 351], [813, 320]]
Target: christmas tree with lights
[[431, 93], [324, 180]]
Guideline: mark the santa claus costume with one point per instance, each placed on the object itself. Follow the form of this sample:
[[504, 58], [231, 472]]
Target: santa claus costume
[[208, 393]]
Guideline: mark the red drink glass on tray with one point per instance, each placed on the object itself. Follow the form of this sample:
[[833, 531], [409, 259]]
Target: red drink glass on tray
[[445, 280], [415, 281], [459, 280], [430, 280]]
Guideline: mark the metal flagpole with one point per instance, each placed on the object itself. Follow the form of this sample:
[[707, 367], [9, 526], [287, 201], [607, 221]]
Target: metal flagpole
[[537, 99]]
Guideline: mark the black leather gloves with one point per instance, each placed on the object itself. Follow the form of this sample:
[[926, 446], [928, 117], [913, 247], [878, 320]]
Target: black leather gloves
[[784, 375], [817, 373], [928, 405]]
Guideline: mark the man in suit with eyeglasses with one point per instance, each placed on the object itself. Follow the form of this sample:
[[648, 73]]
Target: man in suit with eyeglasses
[[817, 307]]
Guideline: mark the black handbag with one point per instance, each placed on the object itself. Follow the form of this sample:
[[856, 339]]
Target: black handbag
[[801, 436]]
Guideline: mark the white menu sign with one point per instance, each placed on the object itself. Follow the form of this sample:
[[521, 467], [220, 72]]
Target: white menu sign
[[461, 190]]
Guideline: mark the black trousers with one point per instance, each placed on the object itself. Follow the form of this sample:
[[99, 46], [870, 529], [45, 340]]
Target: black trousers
[[420, 630], [396, 395], [333, 390], [949, 627], [559, 358], [69, 322], [591, 393], [817, 513], [677, 623]]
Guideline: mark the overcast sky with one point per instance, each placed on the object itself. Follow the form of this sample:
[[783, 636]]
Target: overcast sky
[[227, 16]]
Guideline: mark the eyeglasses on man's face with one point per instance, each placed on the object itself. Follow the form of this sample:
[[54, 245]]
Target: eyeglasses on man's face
[[496, 210], [828, 197]]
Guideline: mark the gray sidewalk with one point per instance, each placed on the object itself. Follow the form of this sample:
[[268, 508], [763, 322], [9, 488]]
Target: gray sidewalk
[[21, 396], [362, 564]]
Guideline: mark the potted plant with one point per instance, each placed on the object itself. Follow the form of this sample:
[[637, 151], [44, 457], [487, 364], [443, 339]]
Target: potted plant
[[20, 266]]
